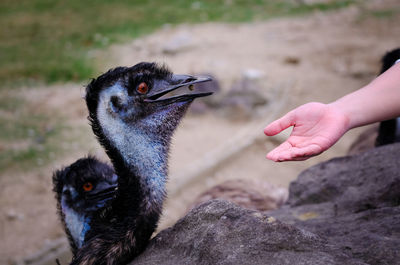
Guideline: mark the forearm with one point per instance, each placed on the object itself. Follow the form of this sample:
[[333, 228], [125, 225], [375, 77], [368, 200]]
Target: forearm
[[377, 101]]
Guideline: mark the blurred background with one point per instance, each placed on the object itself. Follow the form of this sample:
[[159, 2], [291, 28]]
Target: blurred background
[[267, 56]]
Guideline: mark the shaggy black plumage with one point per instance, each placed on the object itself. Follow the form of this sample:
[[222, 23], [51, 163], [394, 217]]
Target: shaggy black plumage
[[133, 118]]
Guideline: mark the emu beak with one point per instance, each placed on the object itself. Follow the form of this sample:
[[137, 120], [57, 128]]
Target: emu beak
[[104, 194], [98, 200], [161, 88]]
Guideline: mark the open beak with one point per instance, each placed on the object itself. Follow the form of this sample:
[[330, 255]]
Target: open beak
[[104, 194], [177, 81]]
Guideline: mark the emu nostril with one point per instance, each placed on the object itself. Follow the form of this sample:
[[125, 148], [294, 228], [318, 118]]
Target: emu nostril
[[190, 79]]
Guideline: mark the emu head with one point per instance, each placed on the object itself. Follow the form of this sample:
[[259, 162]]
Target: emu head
[[137, 99], [85, 186], [83, 189]]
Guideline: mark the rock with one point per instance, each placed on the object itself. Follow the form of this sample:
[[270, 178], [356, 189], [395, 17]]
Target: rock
[[179, 42], [250, 194], [219, 232], [13, 215], [203, 105], [252, 74], [343, 211], [353, 202], [244, 97], [292, 60], [356, 183], [241, 101]]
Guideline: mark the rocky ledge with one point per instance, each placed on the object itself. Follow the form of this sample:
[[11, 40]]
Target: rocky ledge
[[343, 211]]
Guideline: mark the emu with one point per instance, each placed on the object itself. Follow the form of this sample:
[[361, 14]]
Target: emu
[[109, 213]]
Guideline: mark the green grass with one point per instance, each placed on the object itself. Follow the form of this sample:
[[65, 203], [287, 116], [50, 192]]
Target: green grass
[[49, 41], [387, 13], [32, 136], [28, 136]]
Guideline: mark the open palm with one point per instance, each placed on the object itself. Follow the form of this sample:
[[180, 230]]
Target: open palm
[[316, 128]]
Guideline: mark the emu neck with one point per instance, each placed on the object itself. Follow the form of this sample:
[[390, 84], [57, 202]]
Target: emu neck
[[77, 224], [144, 159], [147, 159]]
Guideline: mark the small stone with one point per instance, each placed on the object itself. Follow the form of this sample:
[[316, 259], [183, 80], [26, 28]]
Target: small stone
[[252, 74], [292, 60], [258, 215], [307, 216], [178, 43], [12, 215]]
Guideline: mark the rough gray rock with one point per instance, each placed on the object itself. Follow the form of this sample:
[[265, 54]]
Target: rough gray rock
[[219, 232], [353, 202], [244, 97], [179, 42], [356, 183], [344, 211]]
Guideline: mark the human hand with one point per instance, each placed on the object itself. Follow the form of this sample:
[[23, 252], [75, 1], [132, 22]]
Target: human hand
[[317, 127]]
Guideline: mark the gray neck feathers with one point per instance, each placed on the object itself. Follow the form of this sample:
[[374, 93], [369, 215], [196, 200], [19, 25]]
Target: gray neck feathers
[[145, 154]]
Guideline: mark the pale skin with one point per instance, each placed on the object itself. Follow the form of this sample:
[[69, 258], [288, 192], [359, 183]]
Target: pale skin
[[318, 126]]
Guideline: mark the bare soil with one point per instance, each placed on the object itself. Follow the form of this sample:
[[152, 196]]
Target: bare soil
[[320, 57]]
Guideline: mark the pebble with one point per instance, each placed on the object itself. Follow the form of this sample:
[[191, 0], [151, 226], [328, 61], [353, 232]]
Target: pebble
[[12, 215]]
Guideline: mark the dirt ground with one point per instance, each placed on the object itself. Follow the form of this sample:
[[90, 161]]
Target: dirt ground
[[314, 58]]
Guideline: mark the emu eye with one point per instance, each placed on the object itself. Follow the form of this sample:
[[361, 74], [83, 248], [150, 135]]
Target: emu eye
[[116, 102], [142, 88], [88, 186]]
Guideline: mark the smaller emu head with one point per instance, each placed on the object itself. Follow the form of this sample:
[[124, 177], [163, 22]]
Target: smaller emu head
[[82, 190]]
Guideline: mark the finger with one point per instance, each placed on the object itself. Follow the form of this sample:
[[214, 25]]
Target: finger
[[279, 125], [272, 156], [307, 151], [289, 153], [276, 153]]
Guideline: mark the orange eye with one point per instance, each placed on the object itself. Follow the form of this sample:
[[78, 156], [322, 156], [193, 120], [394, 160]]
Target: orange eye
[[88, 186], [142, 88]]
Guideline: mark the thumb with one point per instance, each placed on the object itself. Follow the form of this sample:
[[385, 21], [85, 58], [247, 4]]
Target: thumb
[[279, 125]]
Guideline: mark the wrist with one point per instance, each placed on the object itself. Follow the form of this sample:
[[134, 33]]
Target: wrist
[[344, 114]]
